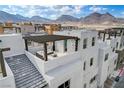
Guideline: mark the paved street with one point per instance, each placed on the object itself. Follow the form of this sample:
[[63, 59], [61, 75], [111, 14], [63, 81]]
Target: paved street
[[120, 84]]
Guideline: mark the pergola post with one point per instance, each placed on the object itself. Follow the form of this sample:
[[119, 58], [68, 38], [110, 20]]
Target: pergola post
[[76, 45], [109, 35], [20, 30], [45, 51], [53, 45], [115, 34], [99, 34], [26, 44], [16, 29], [104, 36], [2, 64]]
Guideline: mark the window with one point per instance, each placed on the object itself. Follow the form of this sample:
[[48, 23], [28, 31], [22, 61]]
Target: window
[[113, 49], [121, 45], [85, 43], [92, 79], [115, 62], [91, 61], [84, 66], [85, 85], [106, 56], [93, 41], [65, 85], [117, 45]]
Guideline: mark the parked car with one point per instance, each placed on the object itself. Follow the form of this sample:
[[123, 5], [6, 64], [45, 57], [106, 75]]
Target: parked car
[[117, 78]]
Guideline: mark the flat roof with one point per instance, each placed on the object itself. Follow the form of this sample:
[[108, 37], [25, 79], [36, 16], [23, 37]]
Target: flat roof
[[117, 28], [48, 38]]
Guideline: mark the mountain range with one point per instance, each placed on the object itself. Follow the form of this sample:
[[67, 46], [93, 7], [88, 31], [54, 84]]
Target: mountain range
[[93, 18]]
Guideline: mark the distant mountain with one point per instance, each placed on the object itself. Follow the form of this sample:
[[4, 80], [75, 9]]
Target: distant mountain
[[93, 18], [67, 18], [97, 18], [4, 17], [22, 17], [39, 19], [8, 17]]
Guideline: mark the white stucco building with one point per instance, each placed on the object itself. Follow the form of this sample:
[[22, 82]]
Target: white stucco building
[[74, 59]]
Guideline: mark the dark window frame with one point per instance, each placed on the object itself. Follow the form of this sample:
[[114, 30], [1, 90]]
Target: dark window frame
[[66, 84], [93, 41], [85, 85], [92, 79], [91, 61], [85, 43], [117, 45], [106, 57], [84, 67]]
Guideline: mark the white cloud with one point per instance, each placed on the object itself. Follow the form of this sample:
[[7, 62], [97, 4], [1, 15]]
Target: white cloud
[[44, 11], [97, 9], [78, 8]]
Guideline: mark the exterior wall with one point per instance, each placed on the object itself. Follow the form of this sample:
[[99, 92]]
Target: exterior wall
[[14, 42], [51, 28], [1, 30], [59, 46], [38, 63], [87, 54], [9, 30], [59, 70], [106, 68], [71, 71], [103, 66], [27, 28], [8, 81]]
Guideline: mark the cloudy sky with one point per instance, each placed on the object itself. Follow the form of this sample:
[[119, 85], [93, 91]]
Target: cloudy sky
[[52, 12]]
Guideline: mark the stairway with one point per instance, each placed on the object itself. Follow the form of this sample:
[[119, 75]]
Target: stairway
[[25, 73]]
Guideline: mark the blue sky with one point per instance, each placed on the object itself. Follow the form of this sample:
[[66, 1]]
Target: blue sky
[[52, 12]]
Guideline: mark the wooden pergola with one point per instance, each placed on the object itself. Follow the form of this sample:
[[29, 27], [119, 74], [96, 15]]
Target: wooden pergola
[[9, 27], [111, 32], [49, 38]]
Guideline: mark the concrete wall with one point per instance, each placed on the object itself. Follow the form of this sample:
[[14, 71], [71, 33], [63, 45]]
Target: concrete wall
[[103, 67], [14, 42], [106, 68], [27, 28], [71, 71], [51, 64], [8, 81], [38, 63], [87, 54]]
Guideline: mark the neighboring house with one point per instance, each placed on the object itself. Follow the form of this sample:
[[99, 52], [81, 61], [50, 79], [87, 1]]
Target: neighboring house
[[51, 28], [27, 27]]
